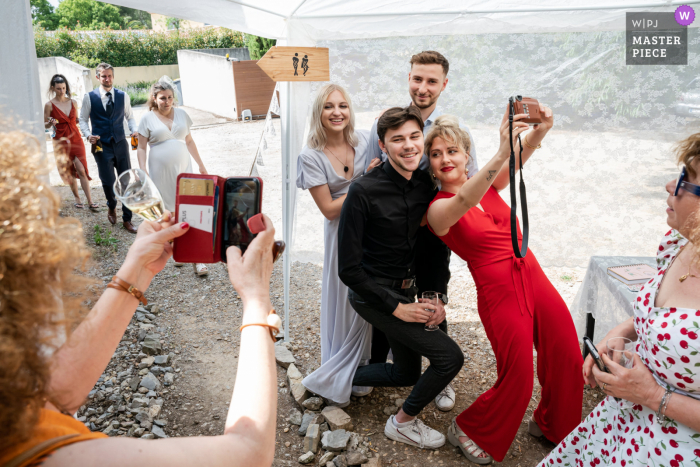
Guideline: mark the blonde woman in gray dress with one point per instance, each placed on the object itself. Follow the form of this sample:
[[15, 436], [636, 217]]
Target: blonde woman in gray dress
[[334, 156], [166, 129]]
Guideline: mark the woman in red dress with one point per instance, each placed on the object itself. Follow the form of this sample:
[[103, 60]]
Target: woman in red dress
[[61, 112], [517, 304]]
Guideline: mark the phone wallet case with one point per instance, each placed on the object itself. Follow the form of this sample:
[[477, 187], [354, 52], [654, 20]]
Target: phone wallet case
[[197, 245]]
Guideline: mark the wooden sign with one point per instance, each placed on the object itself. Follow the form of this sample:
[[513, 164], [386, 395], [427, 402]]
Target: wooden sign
[[296, 64]]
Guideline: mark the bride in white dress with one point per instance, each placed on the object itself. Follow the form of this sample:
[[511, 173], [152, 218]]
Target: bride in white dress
[[166, 130], [335, 155]]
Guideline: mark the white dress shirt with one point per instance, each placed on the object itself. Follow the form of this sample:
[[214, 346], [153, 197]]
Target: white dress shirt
[[87, 107]]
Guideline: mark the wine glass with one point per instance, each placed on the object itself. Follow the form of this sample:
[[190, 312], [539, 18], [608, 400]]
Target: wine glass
[[621, 351], [432, 298], [135, 189]]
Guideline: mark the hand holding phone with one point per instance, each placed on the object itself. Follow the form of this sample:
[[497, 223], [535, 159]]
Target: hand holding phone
[[596, 357]]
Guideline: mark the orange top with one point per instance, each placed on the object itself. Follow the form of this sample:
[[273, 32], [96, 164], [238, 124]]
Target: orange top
[[51, 425]]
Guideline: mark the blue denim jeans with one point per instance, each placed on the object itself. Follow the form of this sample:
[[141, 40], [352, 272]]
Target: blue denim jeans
[[409, 342]]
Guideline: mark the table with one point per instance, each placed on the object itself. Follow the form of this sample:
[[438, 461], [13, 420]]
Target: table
[[603, 302]]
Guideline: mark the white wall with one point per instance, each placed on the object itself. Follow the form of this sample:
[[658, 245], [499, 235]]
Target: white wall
[[207, 82], [124, 75], [77, 75], [19, 76]]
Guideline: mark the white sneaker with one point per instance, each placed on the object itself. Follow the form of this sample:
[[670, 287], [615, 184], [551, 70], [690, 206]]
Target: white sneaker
[[445, 401], [415, 434], [362, 391]]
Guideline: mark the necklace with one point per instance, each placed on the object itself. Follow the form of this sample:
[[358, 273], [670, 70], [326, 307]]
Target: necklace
[[685, 276], [345, 164]]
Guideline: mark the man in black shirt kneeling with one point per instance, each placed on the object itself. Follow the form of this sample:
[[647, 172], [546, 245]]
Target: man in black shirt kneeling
[[384, 257]]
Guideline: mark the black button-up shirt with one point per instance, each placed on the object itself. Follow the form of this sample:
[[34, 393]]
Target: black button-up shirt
[[380, 235]]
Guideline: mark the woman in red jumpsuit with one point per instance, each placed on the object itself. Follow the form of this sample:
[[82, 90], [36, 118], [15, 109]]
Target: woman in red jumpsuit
[[517, 304]]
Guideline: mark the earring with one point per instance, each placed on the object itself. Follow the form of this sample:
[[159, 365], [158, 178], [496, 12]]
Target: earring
[[466, 171], [434, 176]]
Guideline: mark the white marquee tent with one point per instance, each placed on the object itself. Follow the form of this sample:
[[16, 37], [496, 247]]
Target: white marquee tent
[[382, 34], [320, 22]]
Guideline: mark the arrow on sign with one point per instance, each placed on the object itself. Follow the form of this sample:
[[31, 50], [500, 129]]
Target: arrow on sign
[[296, 64]]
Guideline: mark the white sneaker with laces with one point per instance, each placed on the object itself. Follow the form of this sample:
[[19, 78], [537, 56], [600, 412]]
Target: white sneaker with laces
[[362, 391], [415, 434], [445, 401]]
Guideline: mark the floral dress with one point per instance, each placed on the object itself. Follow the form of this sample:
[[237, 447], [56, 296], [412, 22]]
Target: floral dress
[[668, 344]]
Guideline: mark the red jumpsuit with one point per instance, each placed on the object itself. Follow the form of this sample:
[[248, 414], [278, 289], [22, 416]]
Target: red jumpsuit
[[518, 307]]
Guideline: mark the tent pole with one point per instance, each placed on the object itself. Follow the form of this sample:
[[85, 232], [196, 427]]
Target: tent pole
[[286, 202]]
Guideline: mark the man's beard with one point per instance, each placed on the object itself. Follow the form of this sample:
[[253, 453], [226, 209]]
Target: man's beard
[[423, 106]]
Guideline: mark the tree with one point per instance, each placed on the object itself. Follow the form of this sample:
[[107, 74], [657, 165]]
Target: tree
[[88, 14], [43, 14], [257, 46], [135, 19], [172, 23]]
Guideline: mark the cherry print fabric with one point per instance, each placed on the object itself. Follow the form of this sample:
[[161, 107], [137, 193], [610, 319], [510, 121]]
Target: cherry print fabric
[[668, 344]]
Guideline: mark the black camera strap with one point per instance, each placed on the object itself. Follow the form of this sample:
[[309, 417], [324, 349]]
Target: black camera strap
[[513, 200]]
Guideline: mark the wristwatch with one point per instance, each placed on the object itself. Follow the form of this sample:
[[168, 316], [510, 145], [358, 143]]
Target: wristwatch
[[443, 297]]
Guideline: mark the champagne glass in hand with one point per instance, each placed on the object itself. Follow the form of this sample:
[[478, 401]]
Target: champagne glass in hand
[[432, 298], [135, 189]]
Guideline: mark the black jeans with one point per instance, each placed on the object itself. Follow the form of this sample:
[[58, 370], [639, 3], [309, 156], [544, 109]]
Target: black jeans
[[409, 342], [113, 156], [381, 347]]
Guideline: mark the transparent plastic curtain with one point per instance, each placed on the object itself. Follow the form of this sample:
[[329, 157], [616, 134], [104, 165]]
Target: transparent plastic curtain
[[597, 185]]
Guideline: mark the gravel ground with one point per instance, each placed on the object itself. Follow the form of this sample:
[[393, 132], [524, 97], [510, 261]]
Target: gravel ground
[[196, 324], [196, 321]]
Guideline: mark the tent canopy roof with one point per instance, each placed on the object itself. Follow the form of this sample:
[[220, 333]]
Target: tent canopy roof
[[309, 21]]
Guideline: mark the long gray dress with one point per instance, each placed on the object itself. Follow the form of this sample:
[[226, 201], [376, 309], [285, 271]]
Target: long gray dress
[[346, 338]]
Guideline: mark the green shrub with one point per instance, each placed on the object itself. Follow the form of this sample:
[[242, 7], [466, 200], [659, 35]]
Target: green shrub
[[138, 92], [130, 48], [104, 237]]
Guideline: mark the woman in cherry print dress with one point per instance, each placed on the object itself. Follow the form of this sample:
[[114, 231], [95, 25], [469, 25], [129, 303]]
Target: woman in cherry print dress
[[665, 327]]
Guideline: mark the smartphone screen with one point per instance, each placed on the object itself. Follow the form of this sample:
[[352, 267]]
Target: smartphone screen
[[241, 202]]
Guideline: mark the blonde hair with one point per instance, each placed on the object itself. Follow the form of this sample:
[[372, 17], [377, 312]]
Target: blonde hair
[[447, 127], [317, 133], [40, 294], [688, 154]]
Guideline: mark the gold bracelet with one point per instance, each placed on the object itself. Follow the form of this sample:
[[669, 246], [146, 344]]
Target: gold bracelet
[[274, 323], [531, 146]]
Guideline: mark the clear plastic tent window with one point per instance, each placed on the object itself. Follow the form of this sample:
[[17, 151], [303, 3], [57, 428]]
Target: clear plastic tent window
[[597, 185]]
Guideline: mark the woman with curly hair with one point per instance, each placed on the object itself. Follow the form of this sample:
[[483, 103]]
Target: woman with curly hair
[[656, 419], [50, 359]]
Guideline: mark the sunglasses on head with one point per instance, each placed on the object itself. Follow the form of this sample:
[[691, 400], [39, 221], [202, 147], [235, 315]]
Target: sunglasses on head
[[687, 186]]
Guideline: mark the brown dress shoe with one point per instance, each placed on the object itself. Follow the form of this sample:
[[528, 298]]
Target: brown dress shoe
[[129, 227], [112, 216]]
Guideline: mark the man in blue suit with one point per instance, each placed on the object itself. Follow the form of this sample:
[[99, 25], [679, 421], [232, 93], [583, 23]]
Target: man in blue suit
[[106, 108]]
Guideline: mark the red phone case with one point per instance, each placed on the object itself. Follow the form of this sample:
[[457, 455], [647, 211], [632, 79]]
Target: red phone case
[[196, 245]]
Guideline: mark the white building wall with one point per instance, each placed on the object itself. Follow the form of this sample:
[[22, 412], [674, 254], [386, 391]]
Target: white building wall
[[207, 82], [77, 75]]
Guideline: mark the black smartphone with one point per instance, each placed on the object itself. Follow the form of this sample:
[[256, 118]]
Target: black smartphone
[[594, 353], [242, 200], [596, 357]]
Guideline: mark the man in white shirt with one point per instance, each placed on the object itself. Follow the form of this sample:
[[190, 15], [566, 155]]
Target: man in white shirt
[[426, 81], [106, 108]]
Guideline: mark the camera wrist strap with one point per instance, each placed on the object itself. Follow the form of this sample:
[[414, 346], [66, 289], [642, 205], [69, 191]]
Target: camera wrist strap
[[513, 200]]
